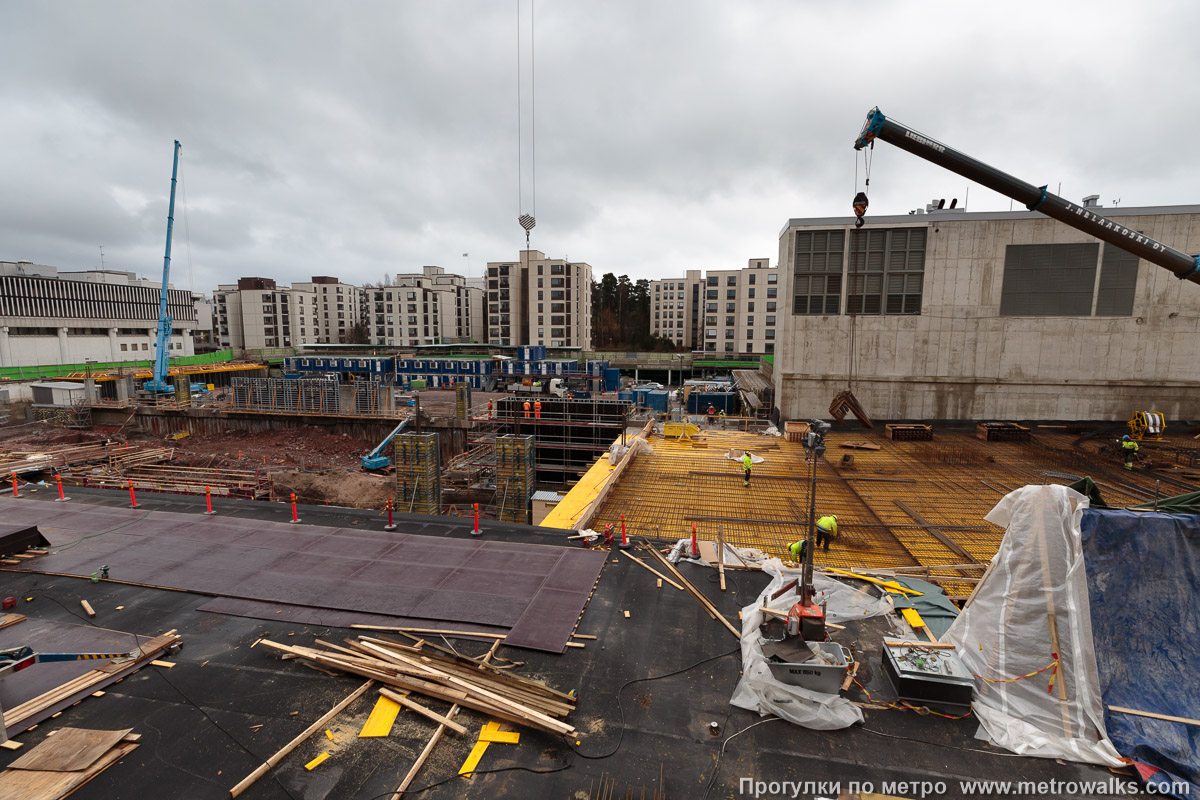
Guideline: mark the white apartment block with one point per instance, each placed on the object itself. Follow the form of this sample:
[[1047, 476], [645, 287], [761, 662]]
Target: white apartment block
[[428, 307], [338, 308], [48, 316], [539, 300], [254, 313], [726, 311]]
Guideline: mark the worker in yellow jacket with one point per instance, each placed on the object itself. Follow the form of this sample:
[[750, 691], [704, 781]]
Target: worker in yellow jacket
[[747, 465], [1129, 449], [826, 531]]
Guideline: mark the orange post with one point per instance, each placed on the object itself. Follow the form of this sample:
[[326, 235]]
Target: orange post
[[624, 545], [133, 503], [208, 500], [14, 483], [295, 518], [695, 544], [475, 531], [62, 498], [390, 525]]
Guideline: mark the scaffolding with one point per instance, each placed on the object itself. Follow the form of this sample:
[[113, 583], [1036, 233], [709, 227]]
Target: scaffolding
[[568, 434], [462, 400], [307, 396], [418, 461], [515, 477]]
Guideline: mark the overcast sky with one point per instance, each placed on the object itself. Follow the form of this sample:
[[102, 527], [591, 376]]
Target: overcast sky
[[361, 139]]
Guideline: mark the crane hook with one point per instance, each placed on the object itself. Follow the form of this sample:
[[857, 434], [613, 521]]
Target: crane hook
[[860, 208]]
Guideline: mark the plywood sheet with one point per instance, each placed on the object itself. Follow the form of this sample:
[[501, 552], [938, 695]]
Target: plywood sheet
[[70, 750]]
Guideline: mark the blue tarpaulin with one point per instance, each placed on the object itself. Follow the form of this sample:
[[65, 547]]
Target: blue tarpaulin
[[1143, 576]]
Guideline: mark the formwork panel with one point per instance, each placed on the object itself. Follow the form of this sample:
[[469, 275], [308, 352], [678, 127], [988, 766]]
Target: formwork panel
[[418, 461]]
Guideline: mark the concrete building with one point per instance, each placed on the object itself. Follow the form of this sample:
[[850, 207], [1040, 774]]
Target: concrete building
[[49, 316], [254, 314], [539, 300], [337, 311], [730, 311], [427, 307], [994, 315]]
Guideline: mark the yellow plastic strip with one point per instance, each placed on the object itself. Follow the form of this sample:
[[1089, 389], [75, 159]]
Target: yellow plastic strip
[[912, 617], [500, 737], [316, 762], [383, 716], [473, 760], [891, 586]]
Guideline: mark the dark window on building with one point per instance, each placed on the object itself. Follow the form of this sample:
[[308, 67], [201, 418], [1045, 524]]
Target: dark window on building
[[817, 270], [886, 276], [1118, 279], [1049, 280]]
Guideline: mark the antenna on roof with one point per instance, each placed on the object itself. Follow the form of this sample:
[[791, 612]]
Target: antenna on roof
[[101, 256]]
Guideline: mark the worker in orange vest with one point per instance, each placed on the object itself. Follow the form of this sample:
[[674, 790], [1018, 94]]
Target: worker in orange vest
[[537, 409], [526, 409]]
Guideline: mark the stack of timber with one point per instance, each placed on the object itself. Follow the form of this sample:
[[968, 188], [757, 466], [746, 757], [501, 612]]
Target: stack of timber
[[845, 402], [24, 461], [471, 683], [36, 709], [63, 762], [914, 432]]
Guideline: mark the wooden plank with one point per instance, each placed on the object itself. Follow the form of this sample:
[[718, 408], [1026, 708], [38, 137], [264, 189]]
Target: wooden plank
[[11, 744], [433, 631], [10, 619], [164, 664], [721, 557], [433, 740], [423, 711], [267, 765], [644, 565], [575, 644], [583, 636], [87, 608], [71, 750], [20, 784], [696, 593], [1153, 715], [930, 645]]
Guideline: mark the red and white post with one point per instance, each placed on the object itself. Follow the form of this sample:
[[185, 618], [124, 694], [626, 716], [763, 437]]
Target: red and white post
[[62, 498], [133, 503], [208, 501], [391, 526], [295, 518]]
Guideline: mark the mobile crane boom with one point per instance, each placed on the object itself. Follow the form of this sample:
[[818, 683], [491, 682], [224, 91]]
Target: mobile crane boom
[[163, 346], [1035, 198]]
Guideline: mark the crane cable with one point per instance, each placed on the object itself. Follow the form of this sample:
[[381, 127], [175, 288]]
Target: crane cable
[[527, 220]]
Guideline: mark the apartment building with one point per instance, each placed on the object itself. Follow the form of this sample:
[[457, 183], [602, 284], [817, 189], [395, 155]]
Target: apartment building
[[49, 316], [730, 311], [255, 313], [338, 308], [539, 301], [427, 307]]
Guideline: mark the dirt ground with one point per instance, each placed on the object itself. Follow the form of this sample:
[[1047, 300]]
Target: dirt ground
[[306, 446], [335, 487]]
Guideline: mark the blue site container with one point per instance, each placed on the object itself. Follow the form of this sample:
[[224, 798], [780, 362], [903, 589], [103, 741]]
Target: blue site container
[[640, 396], [612, 379], [625, 397], [657, 400]]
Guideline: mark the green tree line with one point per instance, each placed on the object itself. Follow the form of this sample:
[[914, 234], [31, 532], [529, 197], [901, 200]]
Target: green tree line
[[621, 315]]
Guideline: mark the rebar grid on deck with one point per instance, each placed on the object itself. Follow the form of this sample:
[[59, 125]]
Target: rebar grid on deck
[[896, 506]]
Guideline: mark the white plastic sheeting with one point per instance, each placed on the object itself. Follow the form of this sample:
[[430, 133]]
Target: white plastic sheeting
[[1036, 585], [759, 691]]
